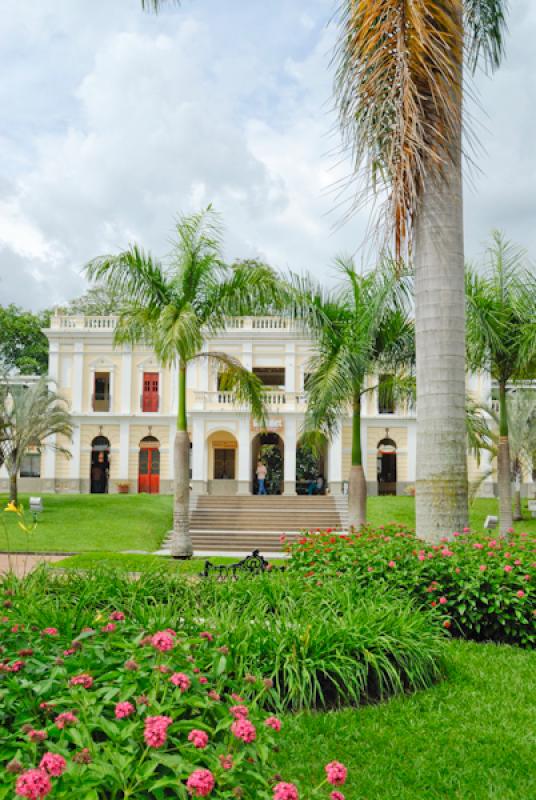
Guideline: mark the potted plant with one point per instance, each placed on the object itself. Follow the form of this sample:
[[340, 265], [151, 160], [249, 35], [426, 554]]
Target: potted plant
[[123, 488]]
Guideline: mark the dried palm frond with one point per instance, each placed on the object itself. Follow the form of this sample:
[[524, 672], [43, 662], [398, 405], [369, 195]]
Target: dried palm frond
[[399, 89]]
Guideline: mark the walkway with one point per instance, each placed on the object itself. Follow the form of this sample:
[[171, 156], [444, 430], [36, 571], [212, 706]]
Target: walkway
[[22, 564]]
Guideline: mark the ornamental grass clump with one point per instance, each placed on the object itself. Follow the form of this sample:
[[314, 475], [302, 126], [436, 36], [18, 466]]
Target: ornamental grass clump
[[479, 586], [103, 715]]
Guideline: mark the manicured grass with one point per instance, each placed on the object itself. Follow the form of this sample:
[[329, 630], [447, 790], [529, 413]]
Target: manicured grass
[[84, 523], [80, 523], [137, 563], [468, 738]]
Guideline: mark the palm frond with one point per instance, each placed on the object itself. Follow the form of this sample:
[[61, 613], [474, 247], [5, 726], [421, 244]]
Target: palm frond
[[246, 388], [485, 27], [398, 89]]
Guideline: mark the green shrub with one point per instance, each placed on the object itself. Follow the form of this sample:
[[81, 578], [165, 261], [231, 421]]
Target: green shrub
[[481, 587], [320, 645]]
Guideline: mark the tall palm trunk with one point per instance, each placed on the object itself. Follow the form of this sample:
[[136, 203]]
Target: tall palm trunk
[[13, 488], [518, 512], [357, 486], [504, 480], [181, 541], [441, 486]]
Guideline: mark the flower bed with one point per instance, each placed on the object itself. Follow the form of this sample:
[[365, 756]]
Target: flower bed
[[480, 586], [119, 712]]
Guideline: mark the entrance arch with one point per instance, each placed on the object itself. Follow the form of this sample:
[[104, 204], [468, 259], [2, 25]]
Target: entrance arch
[[100, 465], [149, 466], [311, 466], [270, 449], [386, 466]]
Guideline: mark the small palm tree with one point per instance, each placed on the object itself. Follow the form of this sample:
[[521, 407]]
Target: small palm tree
[[361, 329], [399, 88], [173, 308], [30, 416], [501, 337], [483, 426]]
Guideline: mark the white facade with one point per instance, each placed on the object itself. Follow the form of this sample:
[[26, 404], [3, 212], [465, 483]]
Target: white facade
[[124, 405]]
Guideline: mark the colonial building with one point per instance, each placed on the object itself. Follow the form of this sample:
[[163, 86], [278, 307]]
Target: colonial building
[[124, 405]]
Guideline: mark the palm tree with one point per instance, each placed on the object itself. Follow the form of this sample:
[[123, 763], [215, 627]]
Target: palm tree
[[30, 416], [362, 329], [399, 87], [501, 337], [173, 308]]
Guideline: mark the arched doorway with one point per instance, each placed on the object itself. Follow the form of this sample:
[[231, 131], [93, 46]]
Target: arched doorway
[[311, 466], [386, 466], [149, 466], [270, 449], [100, 465]]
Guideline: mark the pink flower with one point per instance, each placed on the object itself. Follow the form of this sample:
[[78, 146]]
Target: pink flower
[[226, 762], [243, 729], [203, 680], [50, 631], [517, 562], [17, 666], [123, 710], [162, 641], [236, 697], [53, 764], [508, 568], [285, 791], [155, 732], [65, 719], [180, 680], [199, 739], [33, 784], [482, 568], [446, 552], [273, 722], [239, 712], [337, 796], [206, 635], [200, 783], [442, 601], [82, 680], [213, 694], [521, 593], [117, 616], [336, 773], [110, 627], [37, 736], [466, 530], [478, 546], [131, 665], [421, 556], [391, 564]]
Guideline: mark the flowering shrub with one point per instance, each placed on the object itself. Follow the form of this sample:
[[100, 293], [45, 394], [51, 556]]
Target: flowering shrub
[[481, 586], [120, 712]]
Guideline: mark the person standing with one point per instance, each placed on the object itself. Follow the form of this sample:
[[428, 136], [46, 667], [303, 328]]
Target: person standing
[[262, 472]]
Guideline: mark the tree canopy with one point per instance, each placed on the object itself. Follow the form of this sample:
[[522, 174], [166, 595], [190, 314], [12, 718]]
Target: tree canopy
[[23, 345]]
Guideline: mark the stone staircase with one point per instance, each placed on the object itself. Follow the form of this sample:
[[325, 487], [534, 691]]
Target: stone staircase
[[240, 524]]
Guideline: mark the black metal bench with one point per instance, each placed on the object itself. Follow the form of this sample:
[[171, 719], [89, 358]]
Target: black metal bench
[[253, 564]]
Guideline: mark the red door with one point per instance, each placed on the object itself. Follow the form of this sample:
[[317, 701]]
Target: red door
[[149, 470], [149, 400]]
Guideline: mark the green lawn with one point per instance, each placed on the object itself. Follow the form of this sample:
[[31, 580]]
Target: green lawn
[[137, 563], [472, 737], [82, 523]]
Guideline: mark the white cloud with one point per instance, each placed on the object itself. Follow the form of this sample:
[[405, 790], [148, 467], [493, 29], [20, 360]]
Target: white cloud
[[119, 120]]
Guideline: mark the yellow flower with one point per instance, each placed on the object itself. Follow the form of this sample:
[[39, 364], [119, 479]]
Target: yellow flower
[[11, 507]]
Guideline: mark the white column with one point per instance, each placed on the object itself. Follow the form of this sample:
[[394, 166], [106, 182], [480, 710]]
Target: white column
[[78, 377], [49, 466], [112, 390], [53, 361], [124, 446], [91, 388], [335, 463], [290, 454], [199, 468], [247, 355], [290, 368], [75, 453], [126, 383], [244, 456]]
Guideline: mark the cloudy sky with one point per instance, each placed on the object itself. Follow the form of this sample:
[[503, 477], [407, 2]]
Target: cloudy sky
[[114, 121]]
